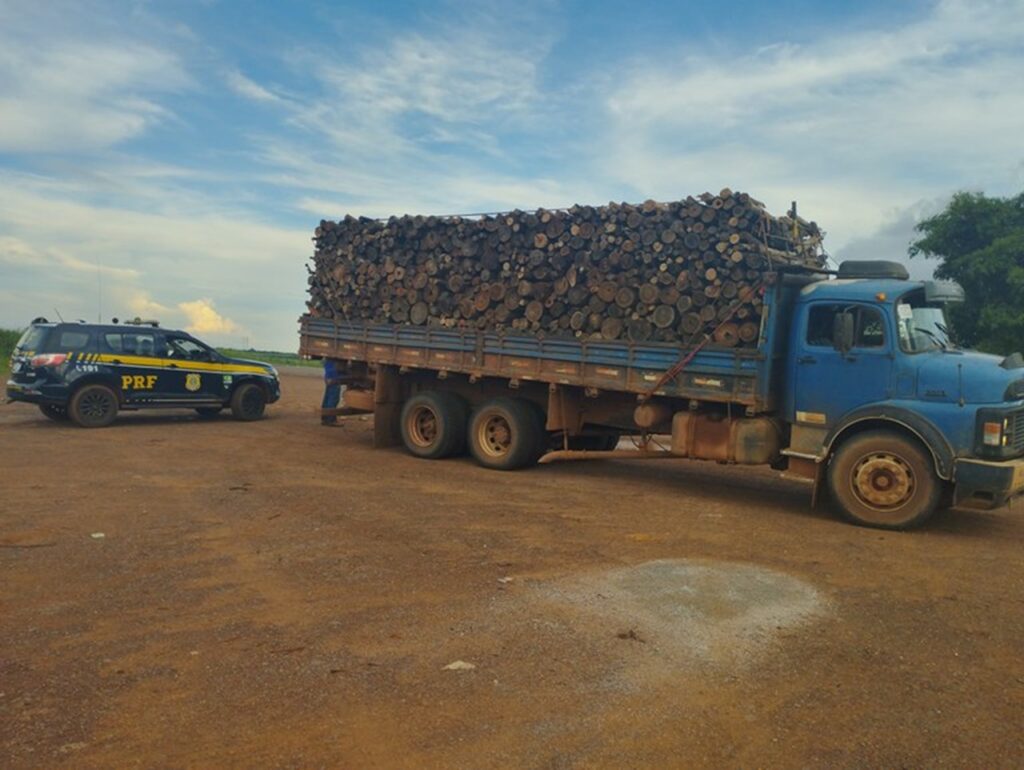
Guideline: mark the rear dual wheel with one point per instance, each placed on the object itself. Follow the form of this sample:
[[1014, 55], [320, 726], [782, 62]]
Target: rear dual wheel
[[507, 434], [433, 425], [503, 434]]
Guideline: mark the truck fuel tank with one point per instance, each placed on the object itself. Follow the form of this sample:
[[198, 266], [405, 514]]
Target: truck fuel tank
[[716, 436]]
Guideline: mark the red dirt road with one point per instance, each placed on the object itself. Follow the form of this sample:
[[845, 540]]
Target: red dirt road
[[277, 594]]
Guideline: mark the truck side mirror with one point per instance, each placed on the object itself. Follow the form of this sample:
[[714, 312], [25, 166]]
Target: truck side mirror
[[842, 331]]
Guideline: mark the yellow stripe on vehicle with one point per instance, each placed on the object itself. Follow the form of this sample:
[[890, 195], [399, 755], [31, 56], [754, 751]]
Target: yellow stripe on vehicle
[[184, 366]]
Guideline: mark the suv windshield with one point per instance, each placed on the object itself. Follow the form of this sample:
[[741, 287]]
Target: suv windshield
[[921, 326]]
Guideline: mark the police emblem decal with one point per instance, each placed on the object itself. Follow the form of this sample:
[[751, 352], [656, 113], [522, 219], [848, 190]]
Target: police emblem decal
[[192, 382]]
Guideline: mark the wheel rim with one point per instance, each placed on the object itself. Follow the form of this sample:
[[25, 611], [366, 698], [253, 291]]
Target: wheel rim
[[494, 436], [252, 402], [883, 481], [422, 426], [94, 406]]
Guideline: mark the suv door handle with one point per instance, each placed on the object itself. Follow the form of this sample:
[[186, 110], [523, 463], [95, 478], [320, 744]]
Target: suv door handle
[[807, 360]]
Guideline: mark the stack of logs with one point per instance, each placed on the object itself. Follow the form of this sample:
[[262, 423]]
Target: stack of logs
[[669, 272]]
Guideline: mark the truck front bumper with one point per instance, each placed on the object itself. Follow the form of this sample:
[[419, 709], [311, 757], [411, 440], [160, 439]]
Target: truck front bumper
[[987, 484]]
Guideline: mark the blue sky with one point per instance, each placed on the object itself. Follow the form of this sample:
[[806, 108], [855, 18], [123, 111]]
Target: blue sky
[[172, 159]]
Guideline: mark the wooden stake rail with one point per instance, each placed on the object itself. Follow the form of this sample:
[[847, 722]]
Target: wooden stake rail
[[668, 272]]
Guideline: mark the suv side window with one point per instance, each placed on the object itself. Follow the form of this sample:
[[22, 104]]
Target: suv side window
[[187, 349], [132, 343], [868, 325], [71, 339]]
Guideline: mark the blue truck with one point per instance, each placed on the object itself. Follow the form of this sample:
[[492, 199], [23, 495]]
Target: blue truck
[[855, 386]]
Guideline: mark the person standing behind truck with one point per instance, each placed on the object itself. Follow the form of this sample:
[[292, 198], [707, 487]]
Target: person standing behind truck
[[332, 392]]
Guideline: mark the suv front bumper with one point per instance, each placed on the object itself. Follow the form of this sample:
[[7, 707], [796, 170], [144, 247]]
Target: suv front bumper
[[987, 484]]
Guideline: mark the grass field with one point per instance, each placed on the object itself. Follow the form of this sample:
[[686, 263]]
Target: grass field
[[269, 356], [7, 339]]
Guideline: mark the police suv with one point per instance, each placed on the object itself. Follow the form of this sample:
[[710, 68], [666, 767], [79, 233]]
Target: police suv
[[86, 373]]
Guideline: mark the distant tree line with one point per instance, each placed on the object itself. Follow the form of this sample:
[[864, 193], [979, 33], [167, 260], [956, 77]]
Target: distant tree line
[[980, 244]]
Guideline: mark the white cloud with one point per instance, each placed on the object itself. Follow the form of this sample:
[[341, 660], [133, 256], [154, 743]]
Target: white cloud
[[142, 305], [61, 95], [422, 121], [248, 88], [855, 124], [245, 273], [203, 318], [15, 251]]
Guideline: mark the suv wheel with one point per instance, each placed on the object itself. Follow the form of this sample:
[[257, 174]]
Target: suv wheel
[[248, 402], [94, 406]]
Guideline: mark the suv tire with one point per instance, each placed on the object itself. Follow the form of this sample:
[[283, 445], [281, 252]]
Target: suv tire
[[93, 406], [248, 402]]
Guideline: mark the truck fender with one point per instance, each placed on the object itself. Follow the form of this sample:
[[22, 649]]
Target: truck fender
[[880, 415]]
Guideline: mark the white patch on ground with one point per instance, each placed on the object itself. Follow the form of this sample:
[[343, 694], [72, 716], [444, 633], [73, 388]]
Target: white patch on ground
[[692, 612]]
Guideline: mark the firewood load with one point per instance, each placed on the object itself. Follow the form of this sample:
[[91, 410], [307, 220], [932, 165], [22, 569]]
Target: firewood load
[[666, 272]]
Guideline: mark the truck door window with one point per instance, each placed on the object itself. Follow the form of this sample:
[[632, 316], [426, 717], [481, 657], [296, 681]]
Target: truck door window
[[868, 324]]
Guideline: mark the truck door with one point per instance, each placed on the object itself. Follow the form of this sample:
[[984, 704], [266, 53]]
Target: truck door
[[828, 383]]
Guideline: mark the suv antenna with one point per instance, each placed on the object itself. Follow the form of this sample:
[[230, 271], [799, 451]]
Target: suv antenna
[[55, 310]]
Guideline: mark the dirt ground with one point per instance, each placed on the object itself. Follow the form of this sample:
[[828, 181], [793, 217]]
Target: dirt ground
[[178, 593]]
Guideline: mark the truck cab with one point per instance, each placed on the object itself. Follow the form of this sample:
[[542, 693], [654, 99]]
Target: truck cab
[[883, 402]]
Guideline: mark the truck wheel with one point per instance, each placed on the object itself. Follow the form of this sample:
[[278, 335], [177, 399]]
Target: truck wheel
[[248, 402], [506, 434], [433, 425], [54, 412], [881, 479], [94, 406]]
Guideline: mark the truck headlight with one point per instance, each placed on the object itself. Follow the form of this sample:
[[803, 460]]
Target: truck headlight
[[992, 433], [999, 432]]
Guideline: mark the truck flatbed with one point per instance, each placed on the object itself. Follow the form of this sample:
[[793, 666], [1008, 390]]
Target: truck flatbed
[[735, 375]]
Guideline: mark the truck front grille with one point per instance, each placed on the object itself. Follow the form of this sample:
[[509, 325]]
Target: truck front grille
[[1015, 431]]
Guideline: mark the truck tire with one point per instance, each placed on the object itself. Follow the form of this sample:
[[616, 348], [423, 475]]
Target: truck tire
[[248, 402], [433, 425], [882, 479], [93, 406], [54, 412], [506, 434]]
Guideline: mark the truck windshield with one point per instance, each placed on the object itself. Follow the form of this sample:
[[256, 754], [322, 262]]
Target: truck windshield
[[921, 327]]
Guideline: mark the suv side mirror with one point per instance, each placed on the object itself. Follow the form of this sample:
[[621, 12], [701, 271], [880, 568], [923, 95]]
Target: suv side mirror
[[842, 331]]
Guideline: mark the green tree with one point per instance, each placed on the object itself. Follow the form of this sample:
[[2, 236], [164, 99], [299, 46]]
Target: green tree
[[980, 242]]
